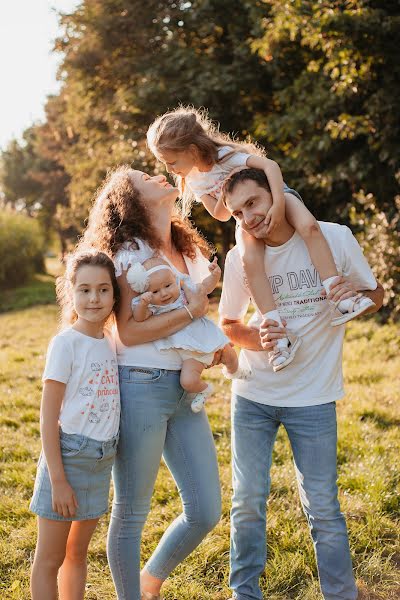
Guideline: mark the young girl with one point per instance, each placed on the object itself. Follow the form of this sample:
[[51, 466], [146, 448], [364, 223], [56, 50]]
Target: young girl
[[160, 292], [79, 427], [201, 157]]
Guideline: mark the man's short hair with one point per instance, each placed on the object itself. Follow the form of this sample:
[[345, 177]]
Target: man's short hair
[[233, 180]]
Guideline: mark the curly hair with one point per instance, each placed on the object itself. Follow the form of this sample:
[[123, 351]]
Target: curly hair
[[65, 283], [119, 215]]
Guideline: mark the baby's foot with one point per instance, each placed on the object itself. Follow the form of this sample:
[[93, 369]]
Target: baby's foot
[[200, 398], [351, 308]]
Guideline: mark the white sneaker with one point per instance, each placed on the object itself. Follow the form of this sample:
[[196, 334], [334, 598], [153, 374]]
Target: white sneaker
[[241, 373], [359, 304], [280, 358], [200, 398]]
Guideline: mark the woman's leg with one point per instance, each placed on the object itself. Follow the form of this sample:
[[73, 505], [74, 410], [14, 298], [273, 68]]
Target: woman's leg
[[148, 398], [49, 556], [73, 572], [191, 457]]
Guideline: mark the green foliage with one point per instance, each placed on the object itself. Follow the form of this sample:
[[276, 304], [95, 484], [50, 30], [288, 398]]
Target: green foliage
[[21, 248]]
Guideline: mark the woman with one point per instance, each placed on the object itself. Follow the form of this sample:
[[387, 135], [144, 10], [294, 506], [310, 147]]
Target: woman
[[133, 216]]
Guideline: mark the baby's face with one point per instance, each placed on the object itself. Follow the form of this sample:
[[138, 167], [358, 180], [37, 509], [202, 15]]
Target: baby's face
[[163, 287]]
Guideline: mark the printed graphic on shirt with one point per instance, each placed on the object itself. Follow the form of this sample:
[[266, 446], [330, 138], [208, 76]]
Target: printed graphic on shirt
[[99, 396], [298, 293]]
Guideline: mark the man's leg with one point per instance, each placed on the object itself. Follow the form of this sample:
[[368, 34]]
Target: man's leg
[[313, 437], [254, 428]]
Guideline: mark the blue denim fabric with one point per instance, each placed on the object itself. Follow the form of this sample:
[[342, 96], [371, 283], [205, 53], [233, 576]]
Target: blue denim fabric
[[156, 419], [312, 434]]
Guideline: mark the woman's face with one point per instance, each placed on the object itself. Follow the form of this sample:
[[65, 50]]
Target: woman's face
[[153, 188]]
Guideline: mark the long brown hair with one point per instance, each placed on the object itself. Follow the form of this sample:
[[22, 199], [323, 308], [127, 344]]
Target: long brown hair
[[65, 283], [184, 126], [119, 215]]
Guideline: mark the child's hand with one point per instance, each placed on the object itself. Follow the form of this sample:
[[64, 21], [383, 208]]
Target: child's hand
[[274, 218], [63, 499], [146, 297], [215, 269]]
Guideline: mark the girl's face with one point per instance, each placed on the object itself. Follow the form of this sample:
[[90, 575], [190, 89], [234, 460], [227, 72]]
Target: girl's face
[[163, 287], [179, 163], [153, 188], [93, 294]]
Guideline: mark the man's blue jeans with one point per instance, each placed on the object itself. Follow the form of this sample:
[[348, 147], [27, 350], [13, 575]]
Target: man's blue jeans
[[312, 434]]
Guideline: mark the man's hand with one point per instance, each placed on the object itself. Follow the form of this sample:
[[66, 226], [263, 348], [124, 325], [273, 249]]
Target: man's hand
[[270, 332], [197, 301], [274, 218], [63, 499], [341, 289]]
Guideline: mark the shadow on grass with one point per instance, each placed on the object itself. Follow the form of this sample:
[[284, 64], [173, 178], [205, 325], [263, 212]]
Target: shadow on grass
[[379, 419], [40, 290]]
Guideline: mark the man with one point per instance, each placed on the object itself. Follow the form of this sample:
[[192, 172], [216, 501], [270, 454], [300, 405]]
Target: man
[[301, 397]]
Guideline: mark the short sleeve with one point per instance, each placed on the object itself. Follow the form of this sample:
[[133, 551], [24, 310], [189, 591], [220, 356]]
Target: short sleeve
[[355, 265], [128, 255], [235, 297], [234, 161], [59, 360]]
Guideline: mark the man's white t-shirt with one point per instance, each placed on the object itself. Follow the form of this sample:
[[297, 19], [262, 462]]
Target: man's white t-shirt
[[315, 375], [210, 182], [147, 355], [88, 367]]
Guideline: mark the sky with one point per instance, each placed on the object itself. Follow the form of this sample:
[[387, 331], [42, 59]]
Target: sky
[[27, 66]]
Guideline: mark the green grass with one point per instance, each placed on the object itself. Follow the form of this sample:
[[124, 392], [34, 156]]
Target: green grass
[[368, 476]]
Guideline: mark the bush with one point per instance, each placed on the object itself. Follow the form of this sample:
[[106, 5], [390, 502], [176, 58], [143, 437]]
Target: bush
[[21, 248]]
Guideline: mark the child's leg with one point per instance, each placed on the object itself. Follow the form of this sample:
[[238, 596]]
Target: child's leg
[[321, 256], [49, 556], [308, 227], [72, 575], [252, 253], [191, 376]]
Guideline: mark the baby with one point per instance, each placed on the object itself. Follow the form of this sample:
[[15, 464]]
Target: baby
[[160, 292]]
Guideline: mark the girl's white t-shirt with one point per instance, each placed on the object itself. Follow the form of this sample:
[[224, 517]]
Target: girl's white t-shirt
[[88, 367], [147, 355], [210, 182]]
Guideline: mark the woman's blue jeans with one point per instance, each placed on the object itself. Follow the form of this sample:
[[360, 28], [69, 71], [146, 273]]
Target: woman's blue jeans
[[312, 435], [156, 420]]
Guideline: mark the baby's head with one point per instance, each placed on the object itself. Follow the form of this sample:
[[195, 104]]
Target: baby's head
[[156, 276]]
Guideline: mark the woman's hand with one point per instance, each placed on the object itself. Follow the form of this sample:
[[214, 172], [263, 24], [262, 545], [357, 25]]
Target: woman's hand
[[270, 332], [63, 499], [197, 301]]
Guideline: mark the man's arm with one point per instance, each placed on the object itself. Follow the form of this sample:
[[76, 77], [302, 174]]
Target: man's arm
[[344, 288], [241, 335]]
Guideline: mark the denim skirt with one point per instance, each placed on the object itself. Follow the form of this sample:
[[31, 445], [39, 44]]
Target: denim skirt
[[87, 465]]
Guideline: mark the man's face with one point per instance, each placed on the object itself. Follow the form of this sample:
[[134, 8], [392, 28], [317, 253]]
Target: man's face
[[249, 204]]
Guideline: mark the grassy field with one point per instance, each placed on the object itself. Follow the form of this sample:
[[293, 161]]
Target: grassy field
[[369, 476]]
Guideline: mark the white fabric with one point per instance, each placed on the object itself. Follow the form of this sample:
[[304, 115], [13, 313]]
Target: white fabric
[[315, 375], [88, 367], [210, 182], [147, 355]]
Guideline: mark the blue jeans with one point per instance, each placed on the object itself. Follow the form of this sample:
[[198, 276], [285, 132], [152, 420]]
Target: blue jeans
[[312, 434], [156, 420]]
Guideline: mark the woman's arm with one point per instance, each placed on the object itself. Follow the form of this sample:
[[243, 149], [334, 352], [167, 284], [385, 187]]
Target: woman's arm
[[63, 497], [132, 333], [274, 175]]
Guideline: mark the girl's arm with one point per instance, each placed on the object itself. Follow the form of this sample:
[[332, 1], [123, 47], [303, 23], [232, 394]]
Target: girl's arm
[[156, 327], [63, 496], [272, 170], [216, 208], [141, 311]]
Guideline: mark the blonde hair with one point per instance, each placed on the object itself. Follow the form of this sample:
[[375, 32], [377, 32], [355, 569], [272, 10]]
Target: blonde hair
[[176, 130], [65, 283]]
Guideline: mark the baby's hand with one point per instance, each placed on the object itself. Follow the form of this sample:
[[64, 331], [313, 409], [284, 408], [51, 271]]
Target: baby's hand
[[215, 269], [146, 297], [274, 218]]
